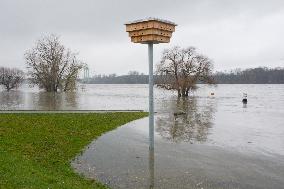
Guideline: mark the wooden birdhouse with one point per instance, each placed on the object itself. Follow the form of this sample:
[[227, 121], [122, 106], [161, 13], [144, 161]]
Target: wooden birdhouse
[[150, 30]]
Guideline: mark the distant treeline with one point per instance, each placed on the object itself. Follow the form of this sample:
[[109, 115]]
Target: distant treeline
[[237, 76], [132, 78], [251, 76]]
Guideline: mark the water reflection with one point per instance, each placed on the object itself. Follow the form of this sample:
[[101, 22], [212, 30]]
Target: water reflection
[[186, 119], [55, 101], [71, 99], [48, 101], [11, 100]]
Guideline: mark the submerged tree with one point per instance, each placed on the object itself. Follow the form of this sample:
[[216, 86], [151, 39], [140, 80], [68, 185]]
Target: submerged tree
[[181, 68], [11, 78], [52, 66]]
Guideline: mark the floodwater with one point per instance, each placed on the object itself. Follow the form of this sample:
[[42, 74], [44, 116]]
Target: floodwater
[[87, 97], [203, 141]]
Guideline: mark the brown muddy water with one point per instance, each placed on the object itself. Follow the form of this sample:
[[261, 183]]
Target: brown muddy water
[[203, 141]]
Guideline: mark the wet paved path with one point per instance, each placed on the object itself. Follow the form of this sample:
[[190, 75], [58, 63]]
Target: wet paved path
[[121, 159], [64, 111]]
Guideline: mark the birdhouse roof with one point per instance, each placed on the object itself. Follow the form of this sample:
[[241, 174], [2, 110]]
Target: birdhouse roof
[[151, 19]]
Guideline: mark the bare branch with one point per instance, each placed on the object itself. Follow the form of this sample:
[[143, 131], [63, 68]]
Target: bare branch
[[181, 68], [51, 66], [11, 78]]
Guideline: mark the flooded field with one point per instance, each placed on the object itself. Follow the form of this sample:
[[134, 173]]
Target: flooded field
[[204, 141]]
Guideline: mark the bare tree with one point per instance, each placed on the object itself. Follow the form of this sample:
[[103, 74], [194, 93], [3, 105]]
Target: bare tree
[[52, 66], [11, 78], [181, 68]]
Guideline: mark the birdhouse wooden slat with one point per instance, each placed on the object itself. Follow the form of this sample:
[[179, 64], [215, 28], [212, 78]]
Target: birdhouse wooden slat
[[150, 38], [151, 30]]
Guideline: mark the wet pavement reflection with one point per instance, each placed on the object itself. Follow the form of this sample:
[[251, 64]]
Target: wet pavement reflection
[[151, 168]]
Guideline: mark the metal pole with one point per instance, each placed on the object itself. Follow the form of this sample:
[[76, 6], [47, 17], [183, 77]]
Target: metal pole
[[151, 98]]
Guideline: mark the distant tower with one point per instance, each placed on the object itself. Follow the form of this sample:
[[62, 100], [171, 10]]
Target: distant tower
[[86, 73]]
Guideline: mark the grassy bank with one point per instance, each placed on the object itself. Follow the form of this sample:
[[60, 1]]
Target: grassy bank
[[36, 149]]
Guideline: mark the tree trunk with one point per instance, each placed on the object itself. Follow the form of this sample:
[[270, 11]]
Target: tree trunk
[[186, 92], [179, 93]]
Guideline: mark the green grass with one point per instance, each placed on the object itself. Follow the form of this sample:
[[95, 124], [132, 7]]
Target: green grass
[[36, 149]]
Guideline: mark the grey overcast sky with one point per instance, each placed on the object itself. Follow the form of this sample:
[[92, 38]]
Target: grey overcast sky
[[234, 33]]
